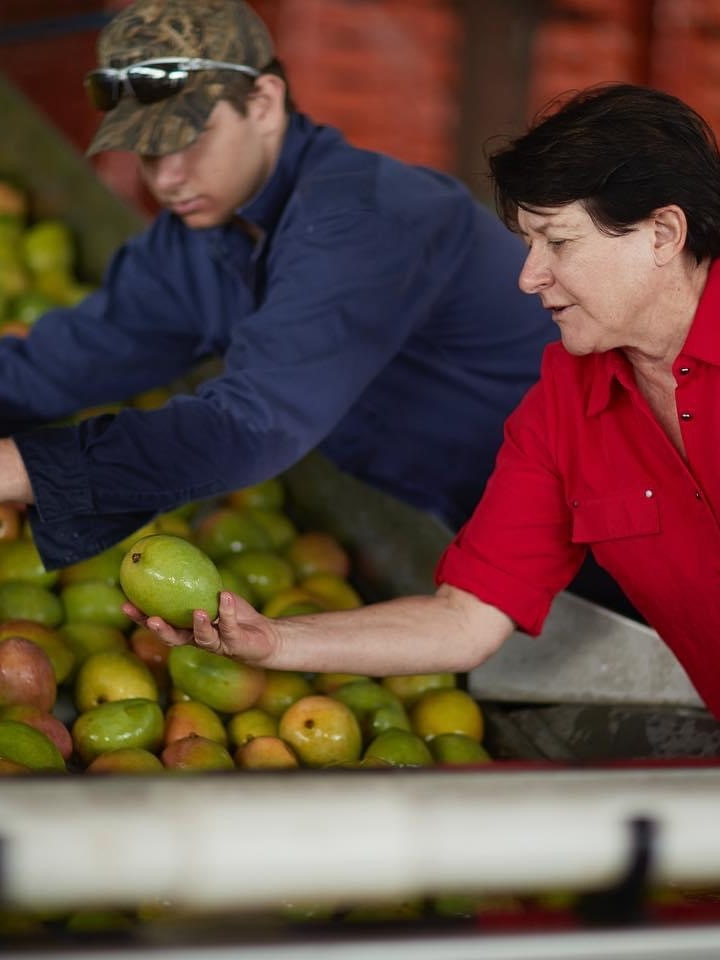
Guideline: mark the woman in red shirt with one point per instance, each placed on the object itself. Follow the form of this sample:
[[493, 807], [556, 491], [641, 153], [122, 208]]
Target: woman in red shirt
[[617, 195]]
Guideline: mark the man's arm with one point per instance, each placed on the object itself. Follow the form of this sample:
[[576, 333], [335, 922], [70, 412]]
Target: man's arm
[[450, 630], [14, 480]]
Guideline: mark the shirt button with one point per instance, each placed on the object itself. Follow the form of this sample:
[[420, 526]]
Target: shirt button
[[649, 494], [686, 416], [684, 371], [575, 503], [698, 495]]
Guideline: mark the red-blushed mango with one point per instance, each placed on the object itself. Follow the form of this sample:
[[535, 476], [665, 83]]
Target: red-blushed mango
[[50, 639], [321, 731], [26, 674], [43, 721], [10, 522], [190, 718], [195, 755], [126, 760], [318, 552], [24, 744], [266, 753], [250, 723]]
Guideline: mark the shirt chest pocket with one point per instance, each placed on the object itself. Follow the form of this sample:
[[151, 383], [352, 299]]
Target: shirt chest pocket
[[615, 517]]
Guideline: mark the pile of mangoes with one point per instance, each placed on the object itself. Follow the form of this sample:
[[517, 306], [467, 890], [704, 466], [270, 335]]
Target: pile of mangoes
[[37, 264], [84, 689]]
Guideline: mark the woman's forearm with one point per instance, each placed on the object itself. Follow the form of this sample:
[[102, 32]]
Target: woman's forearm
[[449, 631]]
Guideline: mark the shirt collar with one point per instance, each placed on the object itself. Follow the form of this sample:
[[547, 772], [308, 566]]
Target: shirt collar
[[702, 343], [265, 208]]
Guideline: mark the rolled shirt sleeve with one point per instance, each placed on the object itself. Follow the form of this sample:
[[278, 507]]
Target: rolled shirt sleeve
[[515, 552]]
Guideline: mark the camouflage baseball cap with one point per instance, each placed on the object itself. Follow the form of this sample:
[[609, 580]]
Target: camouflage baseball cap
[[226, 30]]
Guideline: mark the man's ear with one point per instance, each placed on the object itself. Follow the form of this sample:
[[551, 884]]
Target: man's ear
[[670, 232], [267, 100]]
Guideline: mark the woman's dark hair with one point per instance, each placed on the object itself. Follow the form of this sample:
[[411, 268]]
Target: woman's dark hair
[[623, 151], [238, 88]]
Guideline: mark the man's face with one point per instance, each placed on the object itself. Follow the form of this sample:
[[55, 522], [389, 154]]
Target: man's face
[[600, 289], [224, 168]]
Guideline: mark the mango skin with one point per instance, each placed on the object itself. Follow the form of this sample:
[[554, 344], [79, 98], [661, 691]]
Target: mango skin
[[169, 577], [226, 685], [24, 744], [120, 723]]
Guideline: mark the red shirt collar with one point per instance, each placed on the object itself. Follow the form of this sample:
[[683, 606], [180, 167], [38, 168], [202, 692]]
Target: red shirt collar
[[702, 343]]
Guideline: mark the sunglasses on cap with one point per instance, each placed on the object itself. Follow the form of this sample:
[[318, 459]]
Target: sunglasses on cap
[[150, 81]]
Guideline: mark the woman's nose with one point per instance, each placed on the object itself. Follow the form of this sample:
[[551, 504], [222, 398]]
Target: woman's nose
[[535, 274]]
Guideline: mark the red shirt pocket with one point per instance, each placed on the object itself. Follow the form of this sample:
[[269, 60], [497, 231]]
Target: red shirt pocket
[[614, 517]]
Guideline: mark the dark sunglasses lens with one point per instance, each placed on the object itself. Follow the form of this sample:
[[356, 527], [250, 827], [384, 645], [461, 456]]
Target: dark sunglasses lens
[[151, 84], [148, 85], [102, 89]]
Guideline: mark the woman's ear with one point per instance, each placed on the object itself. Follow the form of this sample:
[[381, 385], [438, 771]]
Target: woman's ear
[[670, 232]]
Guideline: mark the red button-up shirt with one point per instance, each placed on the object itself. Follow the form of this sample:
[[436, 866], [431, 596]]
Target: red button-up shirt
[[585, 465]]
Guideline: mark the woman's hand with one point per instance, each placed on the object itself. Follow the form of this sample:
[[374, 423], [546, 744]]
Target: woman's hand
[[239, 631]]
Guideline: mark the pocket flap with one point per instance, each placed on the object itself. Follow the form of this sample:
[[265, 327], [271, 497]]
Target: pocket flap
[[615, 517]]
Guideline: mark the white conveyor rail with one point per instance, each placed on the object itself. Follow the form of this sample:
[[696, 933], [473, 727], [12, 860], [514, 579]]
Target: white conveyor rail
[[229, 841]]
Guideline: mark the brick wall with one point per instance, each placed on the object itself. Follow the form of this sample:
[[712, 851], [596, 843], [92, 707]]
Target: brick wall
[[384, 71], [670, 44]]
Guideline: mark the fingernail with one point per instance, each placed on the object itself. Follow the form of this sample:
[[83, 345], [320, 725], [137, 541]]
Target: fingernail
[[200, 616], [225, 600]]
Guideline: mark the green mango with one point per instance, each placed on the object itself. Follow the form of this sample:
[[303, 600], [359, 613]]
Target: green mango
[[375, 707], [457, 749], [22, 600], [278, 526], [27, 745], [47, 244], [85, 639], [391, 716], [93, 601], [400, 748], [103, 566], [121, 723], [226, 531], [267, 573], [226, 685], [169, 577], [20, 560]]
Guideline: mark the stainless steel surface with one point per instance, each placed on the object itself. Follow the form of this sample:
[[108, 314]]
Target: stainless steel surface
[[585, 654]]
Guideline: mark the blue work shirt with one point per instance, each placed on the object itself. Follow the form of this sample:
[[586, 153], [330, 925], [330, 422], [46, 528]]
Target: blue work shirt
[[378, 319]]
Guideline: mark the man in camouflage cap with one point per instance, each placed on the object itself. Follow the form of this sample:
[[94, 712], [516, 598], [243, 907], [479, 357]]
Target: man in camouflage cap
[[356, 304], [214, 30]]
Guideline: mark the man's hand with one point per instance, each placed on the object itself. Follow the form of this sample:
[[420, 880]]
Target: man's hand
[[239, 631], [14, 480]]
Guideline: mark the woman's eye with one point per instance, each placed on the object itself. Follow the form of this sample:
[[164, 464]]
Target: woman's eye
[[555, 243]]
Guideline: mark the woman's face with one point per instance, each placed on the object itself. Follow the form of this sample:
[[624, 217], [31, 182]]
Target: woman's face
[[600, 289]]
